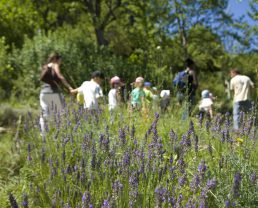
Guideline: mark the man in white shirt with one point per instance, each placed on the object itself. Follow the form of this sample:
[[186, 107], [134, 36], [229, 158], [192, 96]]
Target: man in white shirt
[[241, 85], [91, 91]]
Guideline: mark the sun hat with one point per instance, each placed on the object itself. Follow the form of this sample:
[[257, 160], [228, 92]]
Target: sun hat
[[165, 93], [115, 80], [139, 79], [205, 94], [147, 84]]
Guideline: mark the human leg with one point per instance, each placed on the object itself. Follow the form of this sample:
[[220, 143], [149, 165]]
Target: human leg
[[236, 115], [50, 104]]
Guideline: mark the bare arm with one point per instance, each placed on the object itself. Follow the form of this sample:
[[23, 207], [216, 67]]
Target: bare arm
[[74, 91], [211, 112], [61, 77]]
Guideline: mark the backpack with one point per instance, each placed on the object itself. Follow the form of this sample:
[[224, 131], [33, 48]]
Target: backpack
[[180, 80], [48, 75]]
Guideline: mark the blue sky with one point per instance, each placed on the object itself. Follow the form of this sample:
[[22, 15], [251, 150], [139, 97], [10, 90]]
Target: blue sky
[[239, 8]]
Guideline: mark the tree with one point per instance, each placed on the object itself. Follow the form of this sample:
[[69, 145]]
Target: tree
[[102, 13], [16, 19], [186, 14]]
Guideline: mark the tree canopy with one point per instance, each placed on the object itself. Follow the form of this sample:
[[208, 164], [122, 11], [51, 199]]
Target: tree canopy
[[128, 38]]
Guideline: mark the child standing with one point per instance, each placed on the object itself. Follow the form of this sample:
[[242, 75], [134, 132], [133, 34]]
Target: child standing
[[206, 104], [114, 96], [165, 100], [138, 95], [91, 91], [148, 93]]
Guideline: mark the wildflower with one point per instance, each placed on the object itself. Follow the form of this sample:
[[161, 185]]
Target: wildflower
[[236, 184], [207, 126], [132, 132], [13, 201], [25, 202], [122, 135], [86, 197], [186, 141], [117, 186], [29, 153], [211, 184], [202, 168], [191, 127], [63, 155], [229, 204], [172, 201], [161, 194], [195, 182], [179, 200], [182, 180], [182, 165], [126, 159], [239, 140], [196, 140], [43, 154], [172, 135], [202, 204], [253, 178], [105, 204], [190, 204], [210, 149]]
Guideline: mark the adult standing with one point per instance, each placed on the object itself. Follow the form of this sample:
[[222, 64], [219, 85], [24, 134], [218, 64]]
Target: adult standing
[[192, 84], [190, 88], [241, 86], [50, 95]]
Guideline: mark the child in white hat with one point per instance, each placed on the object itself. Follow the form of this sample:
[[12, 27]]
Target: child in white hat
[[206, 103]]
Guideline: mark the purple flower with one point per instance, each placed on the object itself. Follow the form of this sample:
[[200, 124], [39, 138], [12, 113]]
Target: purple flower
[[161, 194], [122, 135], [172, 135], [190, 204], [63, 155], [182, 180], [211, 184], [229, 204], [86, 197], [25, 202], [172, 201], [29, 153], [253, 178], [202, 204], [117, 186], [132, 132], [181, 164], [126, 159], [179, 200], [105, 204], [186, 141], [196, 146], [236, 184], [202, 168], [13, 201], [195, 182], [191, 127]]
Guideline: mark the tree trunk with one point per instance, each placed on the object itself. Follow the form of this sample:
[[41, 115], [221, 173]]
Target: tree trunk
[[100, 37]]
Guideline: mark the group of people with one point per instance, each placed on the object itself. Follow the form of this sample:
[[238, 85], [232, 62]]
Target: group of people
[[142, 97]]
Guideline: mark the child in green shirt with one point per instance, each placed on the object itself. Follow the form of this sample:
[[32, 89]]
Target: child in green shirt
[[138, 94]]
